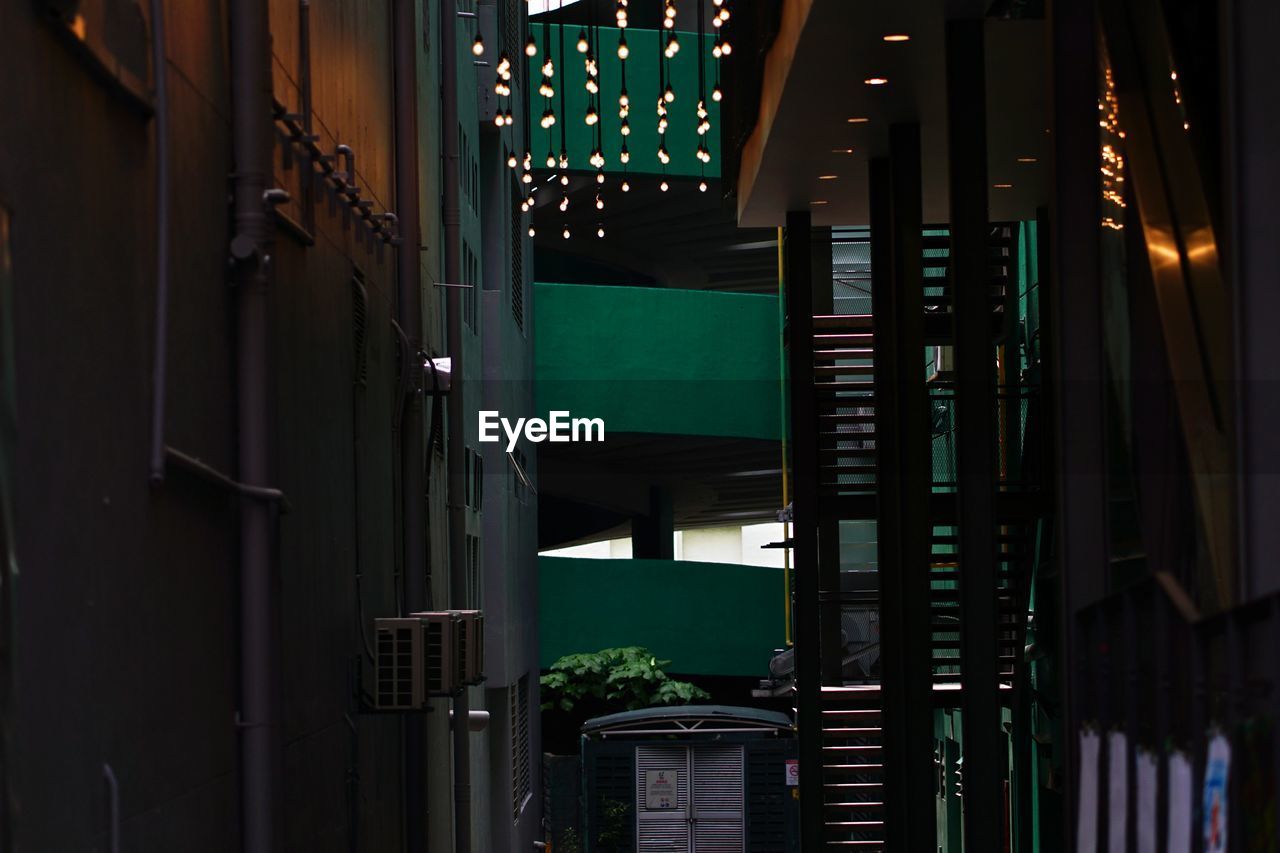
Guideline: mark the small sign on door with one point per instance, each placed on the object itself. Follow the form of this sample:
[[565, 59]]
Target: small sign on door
[[660, 789], [793, 772]]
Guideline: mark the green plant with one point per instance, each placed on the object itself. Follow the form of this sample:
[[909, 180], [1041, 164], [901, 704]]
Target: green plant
[[628, 678]]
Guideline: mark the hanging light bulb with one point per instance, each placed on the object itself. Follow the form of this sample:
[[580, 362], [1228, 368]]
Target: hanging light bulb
[[564, 180], [702, 186], [662, 125], [662, 107], [551, 160], [508, 118], [592, 116], [477, 46], [626, 186], [566, 232], [564, 163], [669, 94], [663, 155], [625, 128], [623, 50], [504, 63], [548, 68], [726, 48], [724, 13], [548, 118], [511, 160], [532, 231], [600, 177], [624, 156], [524, 206], [600, 231], [546, 90], [717, 51], [599, 202], [623, 113], [716, 94], [527, 177], [528, 160], [591, 85], [564, 204], [498, 120], [583, 44], [531, 47], [664, 186], [672, 48]]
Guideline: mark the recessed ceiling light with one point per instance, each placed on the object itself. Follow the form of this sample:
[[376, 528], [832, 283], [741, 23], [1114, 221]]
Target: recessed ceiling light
[[859, 120], [827, 177], [1003, 186], [897, 37], [841, 150], [1026, 159], [818, 202], [876, 81]]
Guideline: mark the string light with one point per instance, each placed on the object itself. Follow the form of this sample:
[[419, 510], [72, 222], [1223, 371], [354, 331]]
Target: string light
[[564, 161], [551, 160], [624, 155], [716, 94], [669, 94], [532, 231], [625, 127], [583, 46], [477, 46], [564, 203], [600, 177], [623, 50], [702, 186], [664, 186], [531, 47], [566, 232], [564, 180], [626, 186], [528, 160], [512, 162], [592, 116], [600, 231], [599, 202]]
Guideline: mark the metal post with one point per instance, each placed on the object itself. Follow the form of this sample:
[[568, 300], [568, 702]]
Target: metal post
[[1075, 353], [915, 476], [804, 466], [984, 765]]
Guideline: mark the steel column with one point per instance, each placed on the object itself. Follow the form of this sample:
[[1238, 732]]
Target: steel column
[[798, 276], [1074, 302], [985, 763]]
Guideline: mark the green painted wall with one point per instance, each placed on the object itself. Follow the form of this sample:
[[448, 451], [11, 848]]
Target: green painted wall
[[654, 360], [706, 618], [643, 90]]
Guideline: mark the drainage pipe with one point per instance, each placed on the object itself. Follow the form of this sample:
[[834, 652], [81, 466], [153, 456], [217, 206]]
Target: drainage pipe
[[160, 368], [259, 668], [409, 317], [449, 130]]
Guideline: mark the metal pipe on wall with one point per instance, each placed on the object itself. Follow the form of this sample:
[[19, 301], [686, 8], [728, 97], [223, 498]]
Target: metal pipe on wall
[[259, 665], [409, 316], [160, 367], [457, 487]]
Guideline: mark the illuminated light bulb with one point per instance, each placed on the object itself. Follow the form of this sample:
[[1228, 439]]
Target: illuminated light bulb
[[551, 160], [625, 156], [512, 161], [524, 207], [592, 116], [663, 155], [716, 22], [531, 47], [564, 204], [564, 161], [497, 120], [548, 68], [717, 51], [566, 232], [591, 85], [716, 94], [528, 160], [600, 232], [702, 108], [508, 118], [726, 48], [626, 186], [623, 113], [599, 203], [702, 186], [662, 125], [669, 23], [717, 3], [527, 178], [477, 46], [624, 100], [625, 129], [623, 50], [583, 45], [599, 177], [504, 62], [546, 90], [564, 180], [724, 13], [532, 231], [664, 186], [669, 94]]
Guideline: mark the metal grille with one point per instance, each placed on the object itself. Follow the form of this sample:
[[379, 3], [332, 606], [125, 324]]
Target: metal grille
[[663, 830], [395, 667], [517, 261], [717, 799], [520, 779], [435, 656]]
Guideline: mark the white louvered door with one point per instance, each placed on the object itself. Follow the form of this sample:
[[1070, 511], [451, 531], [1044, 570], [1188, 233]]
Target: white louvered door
[[718, 799], [662, 804]]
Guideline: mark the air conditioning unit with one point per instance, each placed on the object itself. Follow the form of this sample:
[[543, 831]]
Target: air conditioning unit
[[400, 673], [470, 645], [418, 656]]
